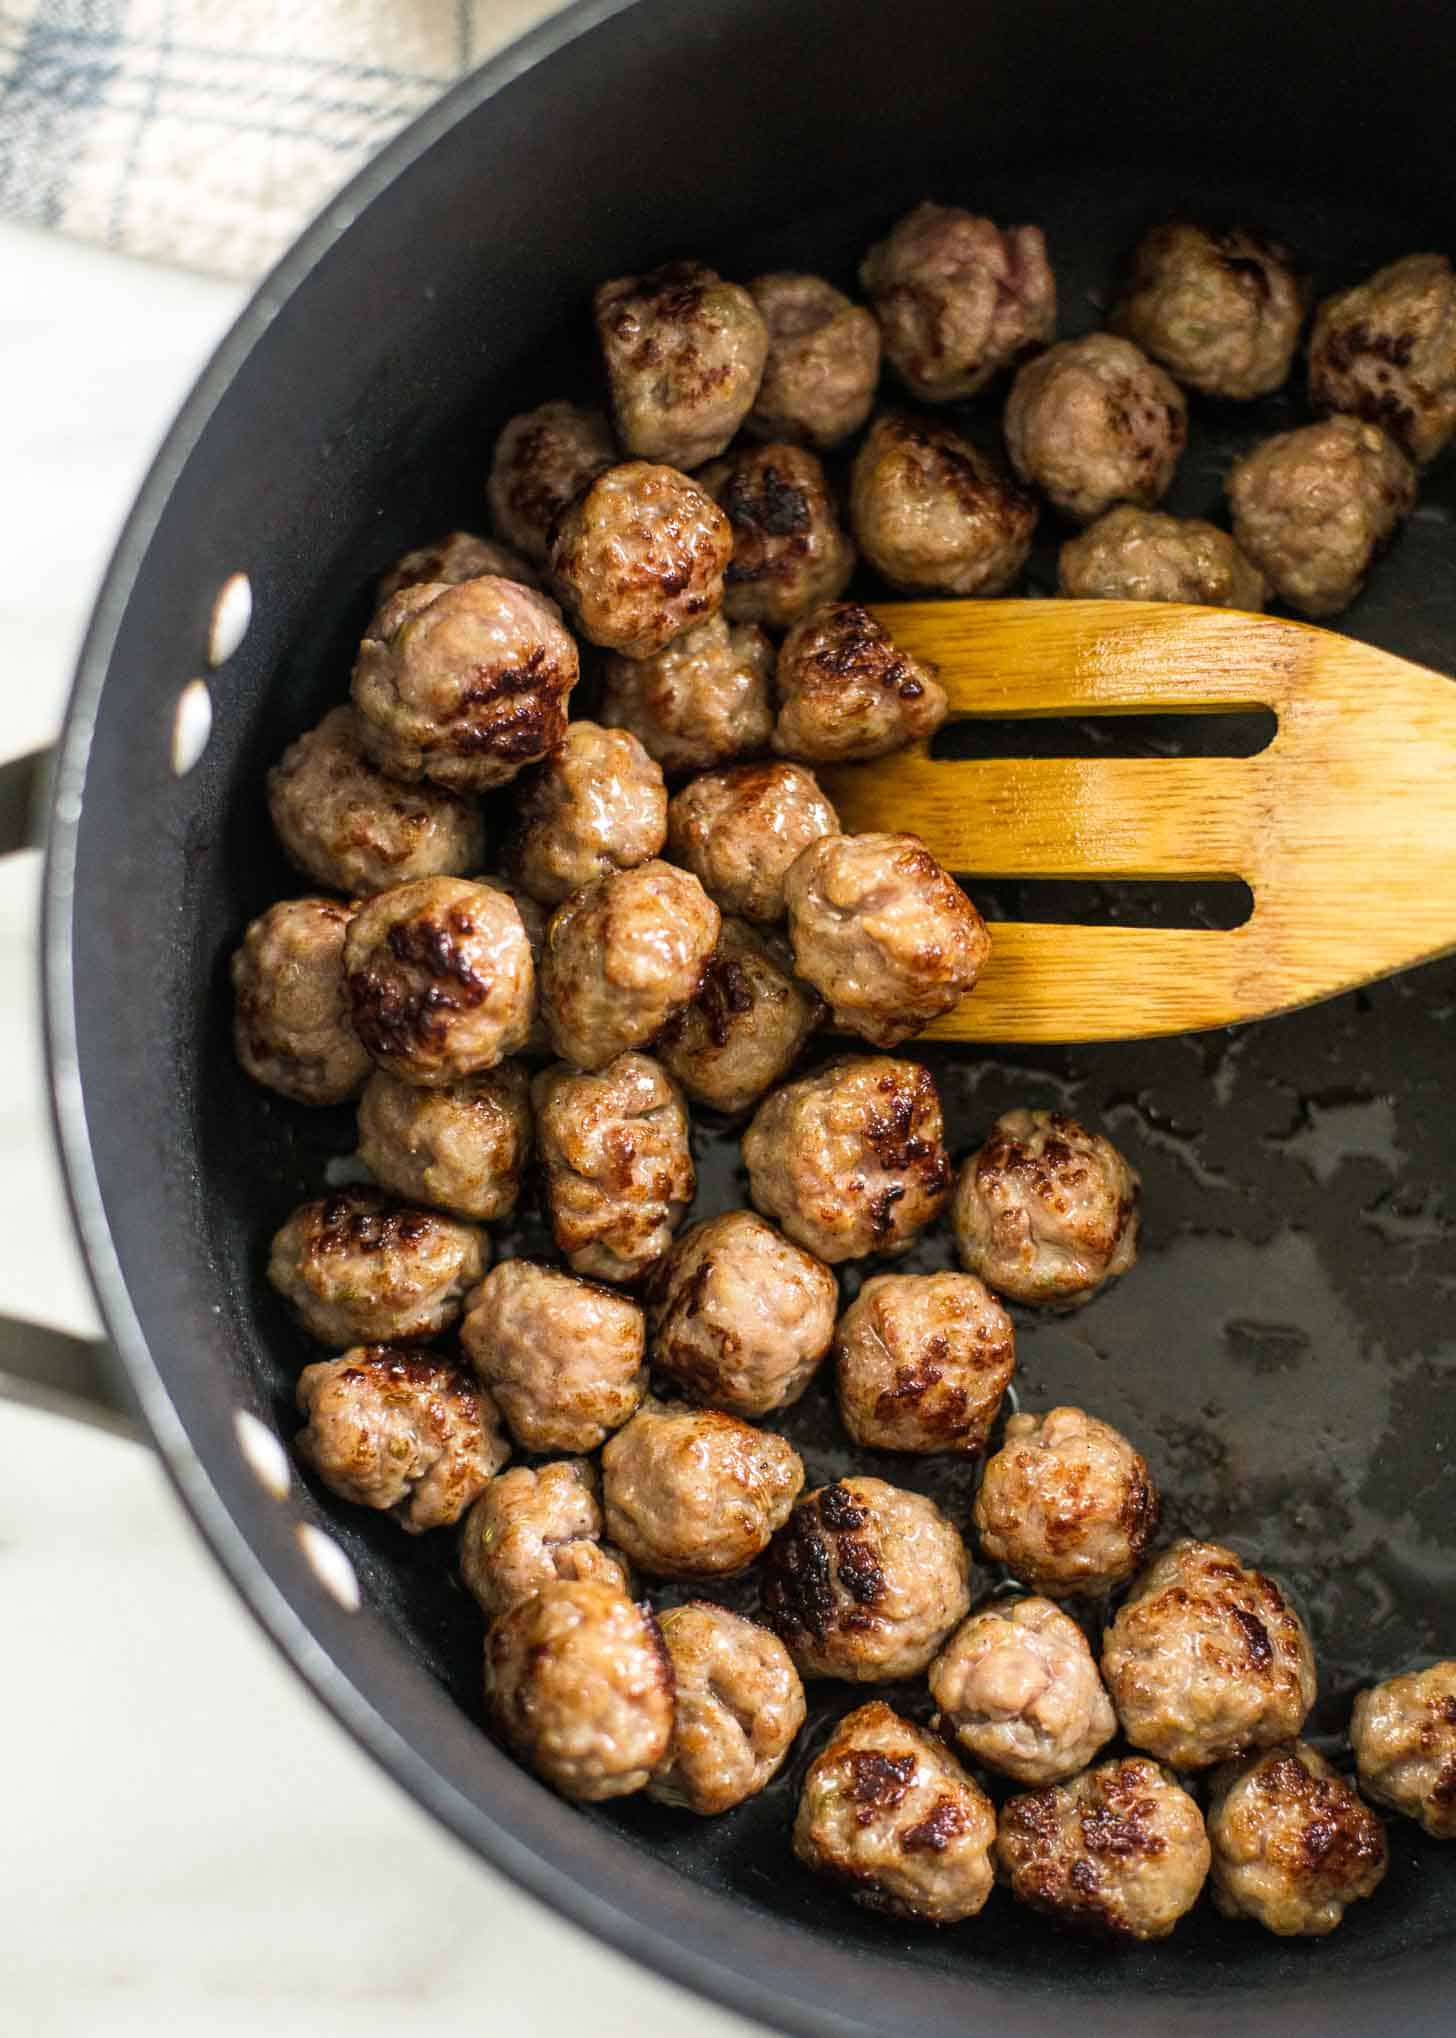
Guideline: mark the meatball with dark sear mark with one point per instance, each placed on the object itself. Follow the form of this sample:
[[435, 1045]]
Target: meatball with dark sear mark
[[934, 514], [921, 1362], [542, 459], [578, 1684], [747, 1026], [866, 1582], [1018, 1689], [1404, 1736], [532, 1526], [1046, 1212], [1219, 308], [1120, 1851], [291, 1025], [1386, 351], [738, 1703], [618, 1167], [684, 354], [639, 557], [356, 1269], [403, 1431], [462, 1149], [563, 1358], [596, 805], [847, 693], [1293, 1845], [703, 700], [695, 1493], [738, 831], [789, 552], [1067, 1504], [1141, 555], [458, 556], [823, 361], [1092, 422], [1207, 1659]]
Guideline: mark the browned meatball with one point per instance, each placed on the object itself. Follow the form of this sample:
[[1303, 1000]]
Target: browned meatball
[[619, 1171], [738, 1705], [958, 298], [703, 700], [403, 1431], [440, 978], [852, 1160], [1292, 1843], [597, 805], [351, 828], [1046, 1212], [883, 933], [531, 1527], [639, 557], [789, 553], [1121, 1850], [866, 1582], [1066, 1504], [684, 354], [922, 1362], [291, 1025], [823, 361], [848, 693], [462, 1149], [1313, 507], [933, 513], [356, 1269], [1141, 555], [1386, 351], [458, 556], [1092, 422], [1404, 1736], [563, 1358], [543, 458], [1017, 1687], [1219, 308], [579, 1686], [745, 1029], [1206, 1659], [739, 830], [695, 1493], [622, 956], [463, 685]]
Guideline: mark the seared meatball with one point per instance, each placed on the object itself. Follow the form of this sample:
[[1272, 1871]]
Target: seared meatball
[[440, 979], [1066, 1504], [1092, 422], [1046, 1212], [463, 685], [462, 1149], [1017, 1687], [563, 1358], [349, 827], [1404, 1736], [543, 458], [866, 1582], [740, 1318], [703, 700], [622, 956], [823, 361], [579, 1686], [738, 831], [458, 556], [684, 354], [1220, 309], [1313, 508], [958, 298], [1206, 1659], [639, 556], [933, 513], [694, 1493], [744, 1030], [1141, 555], [291, 1026], [848, 693], [738, 1705], [1292, 1843], [890, 1814], [922, 1362], [1121, 1850], [619, 1171], [403, 1431], [789, 553], [356, 1269], [531, 1527], [597, 805], [1386, 351], [852, 1160], [883, 933]]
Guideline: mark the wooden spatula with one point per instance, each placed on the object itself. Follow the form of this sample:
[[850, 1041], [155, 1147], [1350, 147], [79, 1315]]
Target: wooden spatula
[[1344, 827]]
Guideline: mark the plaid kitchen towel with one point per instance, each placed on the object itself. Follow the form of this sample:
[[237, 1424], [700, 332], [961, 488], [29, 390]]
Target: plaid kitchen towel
[[208, 132]]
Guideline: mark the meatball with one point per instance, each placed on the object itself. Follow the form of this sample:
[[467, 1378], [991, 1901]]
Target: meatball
[[958, 299], [1017, 1687], [1092, 422], [1121, 1850], [1292, 1843], [563, 1358], [356, 1269], [888, 1812], [789, 553], [703, 700], [933, 513], [823, 361], [1206, 1659], [745, 1029], [543, 458], [291, 1028], [1386, 351], [639, 557], [922, 1362], [622, 956], [738, 831], [619, 1171], [1404, 1736], [1067, 1504], [403, 1431], [739, 1704], [351, 828], [1220, 309], [458, 556], [462, 1149], [684, 354], [1141, 555], [579, 1685], [440, 979], [1046, 1212], [866, 1582], [694, 1493], [847, 693], [463, 685], [531, 1527], [597, 805], [883, 933], [1313, 507], [851, 1160]]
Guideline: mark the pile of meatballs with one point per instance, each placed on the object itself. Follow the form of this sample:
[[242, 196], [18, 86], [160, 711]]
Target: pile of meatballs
[[536, 943]]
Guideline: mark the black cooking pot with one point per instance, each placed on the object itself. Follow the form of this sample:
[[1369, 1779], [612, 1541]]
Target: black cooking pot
[[1284, 1350]]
